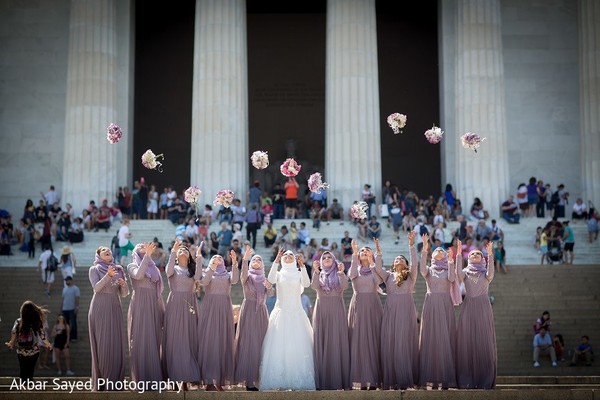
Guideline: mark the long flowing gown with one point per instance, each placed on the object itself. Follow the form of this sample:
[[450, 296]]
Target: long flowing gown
[[437, 348], [364, 327], [399, 331], [251, 331], [476, 359], [287, 355], [106, 328], [331, 345], [181, 323], [145, 320], [215, 328]]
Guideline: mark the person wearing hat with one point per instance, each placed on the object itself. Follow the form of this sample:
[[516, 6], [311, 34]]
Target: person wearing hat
[[67, 262], [70, 305]]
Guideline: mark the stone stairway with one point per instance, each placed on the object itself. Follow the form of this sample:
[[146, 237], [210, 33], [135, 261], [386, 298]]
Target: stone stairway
[[570, 292]]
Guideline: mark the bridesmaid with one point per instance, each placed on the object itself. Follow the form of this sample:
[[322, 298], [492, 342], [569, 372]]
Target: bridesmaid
[[215, 324], [399, 332], [438, 325], [105, 319], [146, 316], [476, 337], [364, 320], [253, 320], [181, 315], [331, 346]]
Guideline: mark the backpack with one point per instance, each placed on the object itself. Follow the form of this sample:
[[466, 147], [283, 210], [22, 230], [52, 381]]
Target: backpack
[[52, 263], [555, 199], [423, 230]]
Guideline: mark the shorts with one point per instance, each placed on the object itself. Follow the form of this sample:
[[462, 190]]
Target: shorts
[[163, 207], [523, 206], [128, 246], [569, 246], [47, 278], [544, 249], [291, 203]]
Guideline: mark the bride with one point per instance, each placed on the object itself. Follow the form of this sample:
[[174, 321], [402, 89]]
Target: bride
[[287, 354]]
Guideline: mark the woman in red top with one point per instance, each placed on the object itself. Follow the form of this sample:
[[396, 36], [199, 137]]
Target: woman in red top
[[291, 198]]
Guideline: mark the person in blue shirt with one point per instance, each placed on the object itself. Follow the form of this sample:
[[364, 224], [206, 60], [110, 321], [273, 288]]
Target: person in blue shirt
[[542, 344], [583, 351], [569, 240]]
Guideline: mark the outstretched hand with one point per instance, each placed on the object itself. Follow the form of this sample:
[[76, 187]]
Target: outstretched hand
[[411, 238], [279, 255], [354, 245]]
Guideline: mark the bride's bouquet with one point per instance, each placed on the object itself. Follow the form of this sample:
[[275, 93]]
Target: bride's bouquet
[[224, 198], [290, 168], [316, 184], [260, 159], [359, 210]]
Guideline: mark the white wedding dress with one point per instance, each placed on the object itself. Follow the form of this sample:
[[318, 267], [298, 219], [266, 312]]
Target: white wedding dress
[[287, 352]]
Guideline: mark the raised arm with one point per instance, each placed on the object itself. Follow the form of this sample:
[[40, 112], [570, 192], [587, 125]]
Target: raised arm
[[414, 266], [273, 272], [353, 273], [372, 265], [235, 271], [316, 271], [452, 268], [490, 264], [170, 268], [305, 280], [245, 261], [379, 262], [424, 253], [459, 261]]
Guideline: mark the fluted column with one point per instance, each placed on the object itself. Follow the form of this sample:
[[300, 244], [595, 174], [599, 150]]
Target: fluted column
[[352, 125], [220, 158], [480, 106], [589, 83], [89, 166]]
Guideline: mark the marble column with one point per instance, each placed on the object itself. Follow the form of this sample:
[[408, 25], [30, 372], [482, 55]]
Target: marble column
[[89, 166], [352, 121], [220, 158], [480, 106], [589, 83]]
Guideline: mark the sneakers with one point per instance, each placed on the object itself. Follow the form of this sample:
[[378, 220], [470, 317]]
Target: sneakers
[[554, 363], [58, 373], [70, 373], [536, 364]]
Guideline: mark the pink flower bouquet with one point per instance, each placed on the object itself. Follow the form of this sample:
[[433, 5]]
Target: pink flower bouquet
[[150, 160], [290, 168], [260, 159], [396, 121], [434, 135], [113, 133], [316, 184], [471, 141], [359, 210], [224, 198]]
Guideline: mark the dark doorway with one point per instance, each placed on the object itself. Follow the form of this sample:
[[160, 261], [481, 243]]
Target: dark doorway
[[164, 64], [286, 86], [409, 84]]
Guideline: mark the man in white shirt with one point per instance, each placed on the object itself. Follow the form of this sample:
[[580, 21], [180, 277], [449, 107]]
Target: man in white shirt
[[579, 210], [51, 197], [124, 242], [47, 275]]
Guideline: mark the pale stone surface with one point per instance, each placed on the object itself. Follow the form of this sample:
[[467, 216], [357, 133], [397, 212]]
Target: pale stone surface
[[480, 105], [352, 126], [589, 83], [89, 168], [219, 156]]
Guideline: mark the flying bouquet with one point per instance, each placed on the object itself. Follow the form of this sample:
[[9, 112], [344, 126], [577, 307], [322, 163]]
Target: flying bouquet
[[224, 198], [192, 196], [260, 159], [359, 210], [434, 135], [150, 160], [396, 121], [113, 133], [316, 184], [471, 141], [290, 168]]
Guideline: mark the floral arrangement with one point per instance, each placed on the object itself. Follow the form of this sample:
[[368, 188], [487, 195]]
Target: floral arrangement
[[290, 168], [359, 210], [471, 141], [192, 194], [316, 184], [396, 121], [150, 160], [113, 133], [434, 135], [260, 159], [224, 198]]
